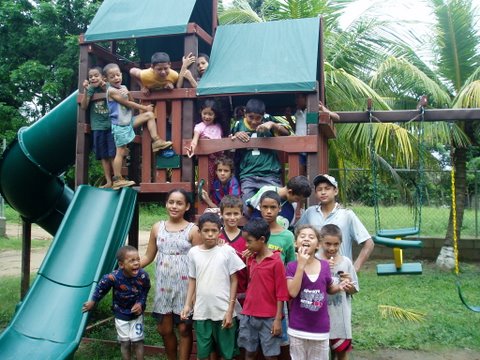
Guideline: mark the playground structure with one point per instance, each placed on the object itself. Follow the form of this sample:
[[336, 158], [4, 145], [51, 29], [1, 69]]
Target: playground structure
[[90, 224]]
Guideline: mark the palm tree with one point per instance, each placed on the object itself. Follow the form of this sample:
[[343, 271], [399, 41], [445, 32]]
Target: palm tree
[[453, 81], [368, 59]]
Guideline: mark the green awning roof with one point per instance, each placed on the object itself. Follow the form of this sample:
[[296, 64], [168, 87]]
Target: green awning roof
[[127, 19], [277, 56]]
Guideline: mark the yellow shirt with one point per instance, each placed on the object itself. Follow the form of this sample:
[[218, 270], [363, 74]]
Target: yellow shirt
[[152, 82]]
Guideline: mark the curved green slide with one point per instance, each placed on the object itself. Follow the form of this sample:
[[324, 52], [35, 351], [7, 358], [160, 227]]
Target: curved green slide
[[89, 226]]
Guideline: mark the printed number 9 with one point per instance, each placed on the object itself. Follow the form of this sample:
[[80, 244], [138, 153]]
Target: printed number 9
[[139, 329]]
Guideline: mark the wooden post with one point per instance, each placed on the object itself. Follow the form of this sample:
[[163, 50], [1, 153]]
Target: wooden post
[[83, 138], [26, 253]]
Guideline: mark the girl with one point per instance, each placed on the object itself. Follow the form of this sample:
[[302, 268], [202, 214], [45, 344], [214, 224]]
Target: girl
[[308, 281], [169, 242], [209, 128]]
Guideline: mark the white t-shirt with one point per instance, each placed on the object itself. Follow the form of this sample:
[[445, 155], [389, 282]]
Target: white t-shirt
[[300, 123], [350, 225], [212, 269]]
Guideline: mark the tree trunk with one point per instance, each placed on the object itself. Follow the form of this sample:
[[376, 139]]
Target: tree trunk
[[446, 259]]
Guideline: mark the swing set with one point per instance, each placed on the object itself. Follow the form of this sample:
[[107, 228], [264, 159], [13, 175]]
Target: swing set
[[394, 238]]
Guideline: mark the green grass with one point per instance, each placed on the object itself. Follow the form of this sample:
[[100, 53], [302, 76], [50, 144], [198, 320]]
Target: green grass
[[12, 243], [434, 220], [150, 213], [448, 324]]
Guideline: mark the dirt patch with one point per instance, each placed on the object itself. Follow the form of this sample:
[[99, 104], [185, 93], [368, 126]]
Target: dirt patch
[[11, 260]]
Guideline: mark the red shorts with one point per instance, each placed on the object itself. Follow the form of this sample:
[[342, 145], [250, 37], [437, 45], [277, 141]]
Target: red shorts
[[341, 345]]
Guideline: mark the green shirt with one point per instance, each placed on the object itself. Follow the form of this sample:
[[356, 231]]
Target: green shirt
[[256, 162], [98, 110], [283, 242]]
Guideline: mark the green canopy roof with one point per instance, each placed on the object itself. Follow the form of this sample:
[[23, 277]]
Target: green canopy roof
[[277, 56], [127, 19]]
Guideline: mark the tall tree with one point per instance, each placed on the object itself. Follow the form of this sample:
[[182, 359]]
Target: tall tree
[[453, 80]]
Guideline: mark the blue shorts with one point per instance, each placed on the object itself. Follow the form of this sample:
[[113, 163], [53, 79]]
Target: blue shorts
[[255, 331], [103, 144], [123, 135]]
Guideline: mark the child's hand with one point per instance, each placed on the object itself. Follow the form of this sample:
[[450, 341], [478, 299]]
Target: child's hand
[[185, 313], [145, 91], [276, 328], [169, 86], [191, 150], [88, 306], [137, 309], [227, 320], [149, 107], [242, 136], [188, 60], [246, 253], [331, 262], [85, 84], [302, 256]]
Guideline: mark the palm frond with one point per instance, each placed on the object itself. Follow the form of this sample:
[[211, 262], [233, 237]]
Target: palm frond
[[469, 96], [400, 77], [388, 311], [239, 13], [457, 41]]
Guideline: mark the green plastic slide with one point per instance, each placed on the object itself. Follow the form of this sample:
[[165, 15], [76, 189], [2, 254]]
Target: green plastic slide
[[49, 322], [89, 226]]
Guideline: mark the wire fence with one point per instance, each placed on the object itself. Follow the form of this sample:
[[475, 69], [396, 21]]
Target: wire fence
[[397, 204]]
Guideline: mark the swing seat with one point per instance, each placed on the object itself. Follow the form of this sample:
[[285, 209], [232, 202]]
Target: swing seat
[[464, 301], [397, 243], [398, 233], [405, 269]]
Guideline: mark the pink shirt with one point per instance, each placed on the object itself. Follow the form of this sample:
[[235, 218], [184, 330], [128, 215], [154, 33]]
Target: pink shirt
[[212, 131]]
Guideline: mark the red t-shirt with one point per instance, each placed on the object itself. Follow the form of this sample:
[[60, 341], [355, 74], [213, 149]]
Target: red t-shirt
[[267, 284], [240, 245]]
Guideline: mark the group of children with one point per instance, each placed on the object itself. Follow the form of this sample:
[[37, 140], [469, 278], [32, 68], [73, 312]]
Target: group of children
[[112, 119], [232, 284]]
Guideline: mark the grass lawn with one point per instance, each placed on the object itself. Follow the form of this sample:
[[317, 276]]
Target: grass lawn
[[447, 323]]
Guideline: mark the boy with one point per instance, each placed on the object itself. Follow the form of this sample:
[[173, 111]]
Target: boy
[[261, 321], [296, 191], [120, 106], [257, 167], [100, 125], [339, 304], [212, 286], [158, 76], [130, 285], [281, 239], [224, 184], [231, 208], [328, 211]]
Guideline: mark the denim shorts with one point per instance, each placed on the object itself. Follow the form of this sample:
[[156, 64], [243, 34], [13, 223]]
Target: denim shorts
[[103, 144], [255, 331]]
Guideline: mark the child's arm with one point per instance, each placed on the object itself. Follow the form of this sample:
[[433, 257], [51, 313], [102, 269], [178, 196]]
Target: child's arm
[[102, 288], [191, 149], [116, 95], [135, 73], [194, 236], [288, 116], [227, 319], [294, 284], [185, 73], [139, 307], [86, 95], [277, 323], [187, 308], [207, 199], [279, 129], [152, 249]]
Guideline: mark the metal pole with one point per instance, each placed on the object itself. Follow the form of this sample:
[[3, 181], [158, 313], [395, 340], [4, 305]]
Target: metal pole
[[476, 204], [26, 252]]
